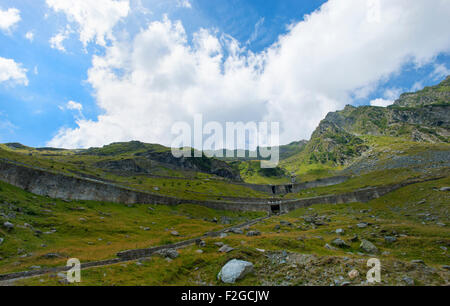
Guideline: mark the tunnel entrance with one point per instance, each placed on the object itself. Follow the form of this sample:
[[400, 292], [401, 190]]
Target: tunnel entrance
[[275, 209]]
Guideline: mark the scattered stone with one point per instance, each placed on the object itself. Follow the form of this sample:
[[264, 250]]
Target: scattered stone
[[329, 247], [52, 255], [422, 202], [8, 225], [418, 261], [199, 251], [277, 227], [390, 239], [223, 235], [285, 223], [1, 240], [35, 267], [409, 281], [354, 238], [237, 231], [175, 233], [362, 225], [353, 274], [368, 247], [253, 234], [340, 231], [82, 220], [169, 253], [156, 188], [225, 249], [338, 242], [201, 243], [445, 267], [219, 244], [235, 270], [261, 250], [445, 189], [146, 229], [440, 224]]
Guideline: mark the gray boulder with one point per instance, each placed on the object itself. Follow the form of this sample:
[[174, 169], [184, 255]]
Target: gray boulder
[[225, 249], [253, 233], [390, 239], [8, 225], [338, 242], [169, 253], [235, 270], [368, 247]]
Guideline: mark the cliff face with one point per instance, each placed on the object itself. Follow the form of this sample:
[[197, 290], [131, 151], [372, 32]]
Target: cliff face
[[423, 116]]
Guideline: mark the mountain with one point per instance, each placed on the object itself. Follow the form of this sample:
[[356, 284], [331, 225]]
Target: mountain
[[344, 135]]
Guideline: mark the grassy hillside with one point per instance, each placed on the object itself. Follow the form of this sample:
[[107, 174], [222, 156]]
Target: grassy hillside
[[295, 252]]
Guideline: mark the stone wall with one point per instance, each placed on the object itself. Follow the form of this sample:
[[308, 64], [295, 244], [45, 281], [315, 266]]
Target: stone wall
[[61, 186]]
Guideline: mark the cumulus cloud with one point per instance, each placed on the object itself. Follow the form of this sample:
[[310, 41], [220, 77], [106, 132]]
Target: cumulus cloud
[[72, 105], [12, 72], [337, 53], [95, 19], [381, 102], [29, 36], [56, 42], [9, 18], [184, 3]]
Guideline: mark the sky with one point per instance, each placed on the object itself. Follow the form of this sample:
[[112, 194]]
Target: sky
[[78, 74]]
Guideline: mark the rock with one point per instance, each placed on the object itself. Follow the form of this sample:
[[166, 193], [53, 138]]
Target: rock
[[390, 239], [52, 255], [156, 188], [169, 253], [199, 251], [235, 270], [422, 202], [340, 231], [362, 225], [329, 247], [418, 261], [353, 274], [440, 224], [338, 242], [201, 243], [285, 223], [368, 247], [354, 238], [225, 249], [8, 225], [219, 244], [261, 250], [445, 189], [409, 281], [223, 235], [237, 231], [277, 227], [35, 267], [253, 234], [82, 220], [445, 267], [175, 233], [1, 240]]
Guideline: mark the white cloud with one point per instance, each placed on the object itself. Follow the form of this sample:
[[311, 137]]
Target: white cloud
[[440, 71], [12, 72], [95, 19], [30, 36], [72, 105], [184, 3], [381, 102], [56, 42], [146, 83], [9, 18]]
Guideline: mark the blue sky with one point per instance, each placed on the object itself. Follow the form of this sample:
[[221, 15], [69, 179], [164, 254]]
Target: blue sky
[[38, 114]]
